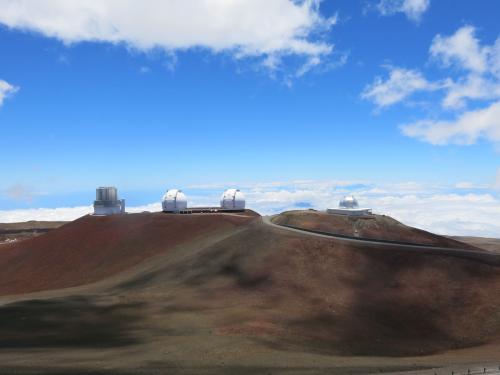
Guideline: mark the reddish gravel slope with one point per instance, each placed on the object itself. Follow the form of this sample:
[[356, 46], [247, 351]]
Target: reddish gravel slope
[[245, 289], [374, 226], [92, 248], [295, 291]]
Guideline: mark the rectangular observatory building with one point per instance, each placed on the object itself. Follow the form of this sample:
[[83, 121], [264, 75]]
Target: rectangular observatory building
[[107, 202]]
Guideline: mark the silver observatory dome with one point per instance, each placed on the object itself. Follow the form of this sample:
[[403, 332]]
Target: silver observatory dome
[[349, 202]]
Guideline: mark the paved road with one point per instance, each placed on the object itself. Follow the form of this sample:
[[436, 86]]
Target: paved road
[[481, 256]]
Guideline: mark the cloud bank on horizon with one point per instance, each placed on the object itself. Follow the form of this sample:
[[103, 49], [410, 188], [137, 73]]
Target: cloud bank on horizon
[[463, 209]]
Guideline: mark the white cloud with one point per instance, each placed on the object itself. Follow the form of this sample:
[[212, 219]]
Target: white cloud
[[310, 64], [478, 68], [436, 208], [400, 85], [444, 213], [466, 185], [61, 213], [244, 28], [481, 63], [496, 185], [465, 130], [473, 87], [494, 59], [413, 9], [462, 49], [6, 89], [44, 214]]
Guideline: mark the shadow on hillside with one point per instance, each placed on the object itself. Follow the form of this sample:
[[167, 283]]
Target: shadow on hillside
[[402, 305], [71, 322]]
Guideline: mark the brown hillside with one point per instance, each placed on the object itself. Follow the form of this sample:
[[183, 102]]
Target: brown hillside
[[291, 291], [491, 244], [374, 226], [228, 293], [95, 247]]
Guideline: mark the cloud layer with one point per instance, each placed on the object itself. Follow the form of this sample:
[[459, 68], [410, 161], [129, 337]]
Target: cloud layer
[[240, 27], [463, 209]]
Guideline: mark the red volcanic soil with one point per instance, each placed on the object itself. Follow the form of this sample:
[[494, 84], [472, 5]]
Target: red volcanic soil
[[374, 226], [293, 291], [229, 289], [95, 247]]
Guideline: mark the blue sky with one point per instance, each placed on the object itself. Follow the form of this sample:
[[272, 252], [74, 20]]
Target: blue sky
[[184, 94]]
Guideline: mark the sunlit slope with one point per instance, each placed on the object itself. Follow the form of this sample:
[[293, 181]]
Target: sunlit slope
[[374, 226], [95, 247]]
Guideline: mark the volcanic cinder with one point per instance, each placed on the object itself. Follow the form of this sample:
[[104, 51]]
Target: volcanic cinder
[[227, 293]]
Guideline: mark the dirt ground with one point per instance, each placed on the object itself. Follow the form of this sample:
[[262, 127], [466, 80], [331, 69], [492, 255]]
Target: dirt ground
[[491, 244], [232, 295], [371, 226]]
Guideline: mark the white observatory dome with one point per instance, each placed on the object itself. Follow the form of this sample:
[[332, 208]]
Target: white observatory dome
[[349, 202], [232, 199], [174, 200]]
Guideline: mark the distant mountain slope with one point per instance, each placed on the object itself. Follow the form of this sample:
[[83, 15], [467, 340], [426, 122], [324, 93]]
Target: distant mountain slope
[[491, 244], [373, 226], [28, 229]]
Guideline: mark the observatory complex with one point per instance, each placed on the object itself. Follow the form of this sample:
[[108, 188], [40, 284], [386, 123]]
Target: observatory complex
[[175, 201], [107, 202], [349, 206]]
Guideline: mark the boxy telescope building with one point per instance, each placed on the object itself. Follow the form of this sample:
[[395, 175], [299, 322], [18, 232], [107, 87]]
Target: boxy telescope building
[[107, 202]]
